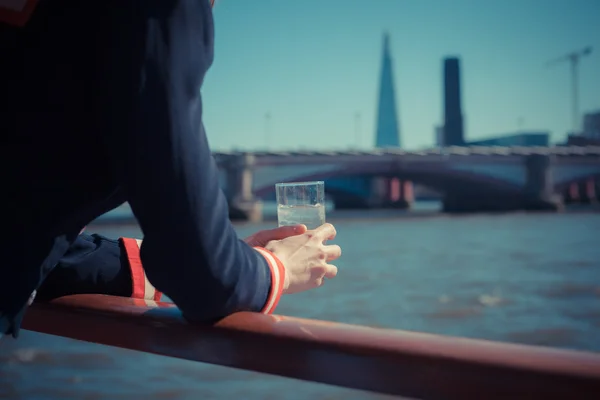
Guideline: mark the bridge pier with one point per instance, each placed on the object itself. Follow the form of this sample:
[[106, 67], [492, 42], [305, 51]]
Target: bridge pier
[[392, 192], [584, 192], [571, 195], [537, 193], [243, 205], [539, 186], [587, 191]]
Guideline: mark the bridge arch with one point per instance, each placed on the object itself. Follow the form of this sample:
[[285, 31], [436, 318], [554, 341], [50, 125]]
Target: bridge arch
[[442, 180], [333, 193]]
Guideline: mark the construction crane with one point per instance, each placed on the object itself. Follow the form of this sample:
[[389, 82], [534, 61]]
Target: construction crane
[[573, 58]]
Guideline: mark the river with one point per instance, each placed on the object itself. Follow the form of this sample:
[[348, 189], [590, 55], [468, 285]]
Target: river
[[517, 277]]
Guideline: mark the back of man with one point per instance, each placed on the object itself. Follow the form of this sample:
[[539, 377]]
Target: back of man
[[100, 103], [56, 172]]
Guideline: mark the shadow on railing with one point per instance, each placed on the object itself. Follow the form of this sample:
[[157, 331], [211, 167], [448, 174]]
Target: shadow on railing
[[402, 363]]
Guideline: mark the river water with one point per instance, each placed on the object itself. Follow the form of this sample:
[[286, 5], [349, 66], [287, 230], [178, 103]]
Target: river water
[[526, 278]]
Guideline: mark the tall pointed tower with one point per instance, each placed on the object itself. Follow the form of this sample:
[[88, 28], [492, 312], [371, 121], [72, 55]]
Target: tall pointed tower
[[388, 133]]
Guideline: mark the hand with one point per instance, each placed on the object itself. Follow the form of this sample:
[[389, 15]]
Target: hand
[[305, 258], [261, 238]]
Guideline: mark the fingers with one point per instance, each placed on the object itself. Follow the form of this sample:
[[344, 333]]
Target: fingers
[[282, 232], [325, 232], [305, 257], [320, 273], [264, 237], [330, 271], [332, 252], [299, 229]]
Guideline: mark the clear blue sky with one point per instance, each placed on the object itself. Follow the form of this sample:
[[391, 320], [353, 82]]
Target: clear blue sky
[[313, 64]]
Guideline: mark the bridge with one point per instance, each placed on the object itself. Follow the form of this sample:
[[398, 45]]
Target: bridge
[[470, 179]]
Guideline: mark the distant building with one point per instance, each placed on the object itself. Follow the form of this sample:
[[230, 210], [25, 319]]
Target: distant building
[[590, 136], [579, 140], [453, 118], [388, 131], [591, 125], [515, 139]]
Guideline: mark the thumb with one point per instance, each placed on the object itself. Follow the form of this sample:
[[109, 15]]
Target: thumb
[[282, 232]]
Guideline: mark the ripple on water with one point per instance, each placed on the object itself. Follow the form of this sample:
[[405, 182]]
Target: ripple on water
[[455, 313], [41, 357], [570, 290]]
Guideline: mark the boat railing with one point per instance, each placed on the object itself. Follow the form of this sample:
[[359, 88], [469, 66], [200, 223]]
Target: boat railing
[[411, 364]]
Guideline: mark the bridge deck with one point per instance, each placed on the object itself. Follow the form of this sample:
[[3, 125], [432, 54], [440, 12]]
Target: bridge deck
[[567, 151]]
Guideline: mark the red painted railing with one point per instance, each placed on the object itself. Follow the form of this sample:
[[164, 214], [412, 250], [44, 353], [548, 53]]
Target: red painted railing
[[403, 363]]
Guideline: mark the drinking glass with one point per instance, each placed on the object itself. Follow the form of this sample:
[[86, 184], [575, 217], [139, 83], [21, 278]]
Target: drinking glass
[[301, 203]]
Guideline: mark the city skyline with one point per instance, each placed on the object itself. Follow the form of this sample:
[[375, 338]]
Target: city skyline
[[313, 70]]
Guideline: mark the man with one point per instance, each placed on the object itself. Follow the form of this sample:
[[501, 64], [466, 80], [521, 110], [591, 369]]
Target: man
[[100, 104]]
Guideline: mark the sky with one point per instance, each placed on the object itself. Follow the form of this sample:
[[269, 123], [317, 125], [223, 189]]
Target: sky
[[304, 74]]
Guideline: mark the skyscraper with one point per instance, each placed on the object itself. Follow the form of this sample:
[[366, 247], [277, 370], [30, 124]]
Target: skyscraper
[[591, 125], [388, 133], [453, 118]]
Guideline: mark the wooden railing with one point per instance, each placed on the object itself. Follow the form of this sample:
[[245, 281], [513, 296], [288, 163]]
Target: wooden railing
[[402, 363]]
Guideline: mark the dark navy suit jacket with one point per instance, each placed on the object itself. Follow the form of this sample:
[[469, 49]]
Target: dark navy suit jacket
[[95, 264], [100, 104]]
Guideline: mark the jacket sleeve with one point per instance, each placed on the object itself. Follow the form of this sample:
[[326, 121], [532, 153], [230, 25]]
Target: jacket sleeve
[[190, 250], [97, 265]]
